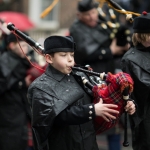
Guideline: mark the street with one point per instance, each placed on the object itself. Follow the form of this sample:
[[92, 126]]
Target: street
[[102, 142]]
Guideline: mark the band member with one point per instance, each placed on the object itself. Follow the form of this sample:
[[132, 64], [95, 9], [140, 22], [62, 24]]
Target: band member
[[92, 36], [62, 112], [14, 107], [136, 62]]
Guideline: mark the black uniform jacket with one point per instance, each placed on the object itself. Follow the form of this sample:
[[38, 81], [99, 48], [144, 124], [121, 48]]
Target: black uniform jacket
[[136, 62], [60, 113], [92, 46], [14, 107]]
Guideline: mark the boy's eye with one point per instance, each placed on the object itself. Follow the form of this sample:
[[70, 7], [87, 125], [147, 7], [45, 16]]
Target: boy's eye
[[63, 55]]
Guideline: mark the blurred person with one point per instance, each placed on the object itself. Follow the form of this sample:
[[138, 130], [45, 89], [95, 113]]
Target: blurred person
[[62, 108], [136, 63], [94, 45], [14, 107]]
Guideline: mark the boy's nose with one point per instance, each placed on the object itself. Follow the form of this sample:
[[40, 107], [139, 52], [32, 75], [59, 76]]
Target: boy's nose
[[70, 58]]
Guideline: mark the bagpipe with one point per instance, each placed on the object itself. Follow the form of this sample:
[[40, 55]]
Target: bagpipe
[[117, 30], [113, 89]]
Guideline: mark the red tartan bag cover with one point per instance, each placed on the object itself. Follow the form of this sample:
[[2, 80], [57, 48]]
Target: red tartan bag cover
[[112, 94]]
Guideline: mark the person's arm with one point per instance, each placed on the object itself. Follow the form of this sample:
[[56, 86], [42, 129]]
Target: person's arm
[[75, 115], [81, 114]]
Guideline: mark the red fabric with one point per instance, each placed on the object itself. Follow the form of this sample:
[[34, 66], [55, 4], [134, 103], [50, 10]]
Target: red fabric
[[35, 71], [112, 94], [20, 20], [30, 140]]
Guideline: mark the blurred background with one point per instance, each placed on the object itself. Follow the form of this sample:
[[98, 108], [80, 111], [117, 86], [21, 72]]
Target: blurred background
[[25, 15], [59, 19], [61, 16]]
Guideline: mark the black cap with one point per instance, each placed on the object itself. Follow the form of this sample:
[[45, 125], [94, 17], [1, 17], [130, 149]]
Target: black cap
[[55, 44], [141, 24], [86, 5]]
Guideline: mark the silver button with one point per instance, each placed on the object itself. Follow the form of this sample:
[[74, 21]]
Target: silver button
[[67, 90], [68, 80], [90, 112], [20, 83], [103, 51], [91, 107], [90, 118]]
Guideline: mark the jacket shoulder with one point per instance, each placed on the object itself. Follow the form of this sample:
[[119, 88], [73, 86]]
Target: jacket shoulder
[[42, 83], [138, 58], [128, 53], [77, 26]]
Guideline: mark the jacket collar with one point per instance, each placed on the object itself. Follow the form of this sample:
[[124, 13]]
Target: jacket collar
[[142, 48], [54, 73]]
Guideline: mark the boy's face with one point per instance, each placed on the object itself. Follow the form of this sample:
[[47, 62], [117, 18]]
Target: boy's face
[[16, 48], [62, 61]]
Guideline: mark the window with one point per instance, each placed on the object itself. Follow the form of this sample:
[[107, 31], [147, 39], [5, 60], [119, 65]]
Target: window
[[50, 22]]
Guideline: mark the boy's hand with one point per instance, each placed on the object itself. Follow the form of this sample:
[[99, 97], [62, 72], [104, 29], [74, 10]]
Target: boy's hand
[[130, 108], [105, 110]]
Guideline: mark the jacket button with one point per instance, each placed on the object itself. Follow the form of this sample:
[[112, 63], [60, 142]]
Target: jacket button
[[103, 51], [20, 83], [90, 106], [90, 118], [90, 112]]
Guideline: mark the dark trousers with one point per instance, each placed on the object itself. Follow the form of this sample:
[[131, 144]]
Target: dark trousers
[[114, 142]]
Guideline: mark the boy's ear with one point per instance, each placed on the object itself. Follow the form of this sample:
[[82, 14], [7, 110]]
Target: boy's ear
[[49, 58]]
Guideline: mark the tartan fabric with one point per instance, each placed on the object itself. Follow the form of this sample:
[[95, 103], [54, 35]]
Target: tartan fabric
[[112, 94], [30, 140]]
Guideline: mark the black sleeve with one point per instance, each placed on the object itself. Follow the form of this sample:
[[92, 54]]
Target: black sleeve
[[76, 115], [3, 84]]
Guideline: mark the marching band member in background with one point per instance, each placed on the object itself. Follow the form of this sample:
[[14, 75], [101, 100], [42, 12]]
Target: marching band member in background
[[136, 63], [14, 107], [94, 45]]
